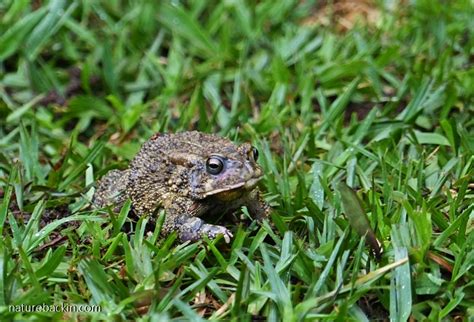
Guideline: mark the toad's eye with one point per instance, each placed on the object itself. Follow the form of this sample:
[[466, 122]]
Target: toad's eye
[[214, 165], [255, 153]]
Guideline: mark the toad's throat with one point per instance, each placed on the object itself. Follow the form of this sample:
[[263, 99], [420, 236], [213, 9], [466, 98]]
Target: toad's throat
[[234, 191]]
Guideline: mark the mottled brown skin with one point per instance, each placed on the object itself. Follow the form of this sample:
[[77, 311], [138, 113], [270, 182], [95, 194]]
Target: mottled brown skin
[[181, 173]]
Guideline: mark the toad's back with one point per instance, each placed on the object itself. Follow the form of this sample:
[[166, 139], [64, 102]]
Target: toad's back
[[195, 144]]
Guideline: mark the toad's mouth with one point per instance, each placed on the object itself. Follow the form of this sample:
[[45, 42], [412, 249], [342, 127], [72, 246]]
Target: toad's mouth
[[234, 191]]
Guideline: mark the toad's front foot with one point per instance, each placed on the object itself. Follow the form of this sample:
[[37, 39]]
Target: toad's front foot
[[194, 228], [212, 231]]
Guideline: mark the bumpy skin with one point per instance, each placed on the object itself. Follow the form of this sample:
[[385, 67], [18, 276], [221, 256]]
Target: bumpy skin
[[171, 172], [111, 190]]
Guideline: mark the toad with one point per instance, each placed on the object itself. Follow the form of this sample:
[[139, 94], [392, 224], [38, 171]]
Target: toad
[[190, 175]]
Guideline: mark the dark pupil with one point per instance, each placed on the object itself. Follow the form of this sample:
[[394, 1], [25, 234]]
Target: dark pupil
[[214, 166], [255, 153]]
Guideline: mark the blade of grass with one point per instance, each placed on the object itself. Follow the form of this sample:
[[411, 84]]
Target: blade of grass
[[358, 218], [180, 22]]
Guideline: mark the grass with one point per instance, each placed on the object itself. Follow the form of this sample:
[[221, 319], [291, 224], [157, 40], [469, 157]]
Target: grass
[[384, 105]]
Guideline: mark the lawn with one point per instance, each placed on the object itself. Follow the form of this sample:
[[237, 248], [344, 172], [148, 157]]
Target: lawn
[[363, 115]]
